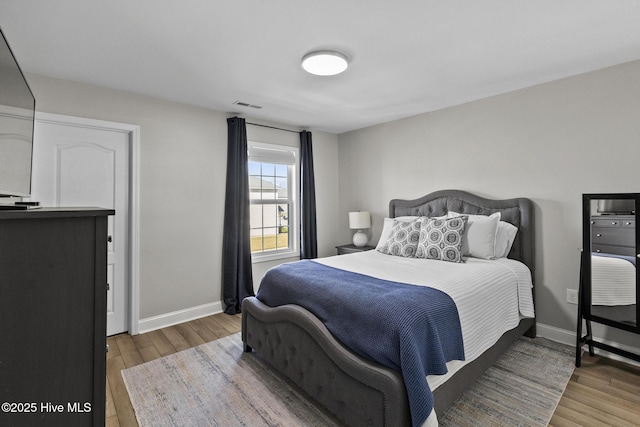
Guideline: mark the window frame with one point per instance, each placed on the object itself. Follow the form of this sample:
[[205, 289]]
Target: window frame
[[293, 250]]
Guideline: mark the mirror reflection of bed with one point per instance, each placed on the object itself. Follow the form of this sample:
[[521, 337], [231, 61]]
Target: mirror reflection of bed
[[613, 260], [613, 292]]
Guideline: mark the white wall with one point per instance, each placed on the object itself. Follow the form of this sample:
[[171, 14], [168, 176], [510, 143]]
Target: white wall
[[550, 143], [182, 185]]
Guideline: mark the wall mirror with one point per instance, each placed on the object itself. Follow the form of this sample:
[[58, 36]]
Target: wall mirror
[[609, 276]]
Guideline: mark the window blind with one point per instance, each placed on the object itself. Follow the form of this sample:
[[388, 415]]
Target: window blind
[[271, 155]]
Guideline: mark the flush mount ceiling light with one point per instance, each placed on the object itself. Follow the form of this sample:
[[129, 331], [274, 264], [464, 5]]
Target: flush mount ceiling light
[[325, 63]]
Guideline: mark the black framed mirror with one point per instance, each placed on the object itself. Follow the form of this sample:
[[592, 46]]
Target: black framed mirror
[[609, 279]]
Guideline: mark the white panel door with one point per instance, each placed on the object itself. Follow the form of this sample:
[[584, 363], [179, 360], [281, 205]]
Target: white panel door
[[88, 166]]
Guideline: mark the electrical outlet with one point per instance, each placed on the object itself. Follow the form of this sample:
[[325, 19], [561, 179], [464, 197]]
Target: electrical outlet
[[572, 296]]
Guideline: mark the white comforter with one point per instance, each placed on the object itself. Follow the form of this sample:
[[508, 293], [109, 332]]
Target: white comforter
[[613, 281], [491, 295]]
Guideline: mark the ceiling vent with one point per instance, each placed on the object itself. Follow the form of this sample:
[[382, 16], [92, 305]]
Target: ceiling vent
[[245, 104]]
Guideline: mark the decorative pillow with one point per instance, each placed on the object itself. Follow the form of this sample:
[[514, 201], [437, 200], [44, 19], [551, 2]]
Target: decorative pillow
[[387, 225], [403, 239], [441, 238], [505, 236], [479, 239]]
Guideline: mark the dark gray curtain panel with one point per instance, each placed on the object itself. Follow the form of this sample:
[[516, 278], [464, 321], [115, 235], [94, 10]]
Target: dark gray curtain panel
[[237, 276], [308, 230]]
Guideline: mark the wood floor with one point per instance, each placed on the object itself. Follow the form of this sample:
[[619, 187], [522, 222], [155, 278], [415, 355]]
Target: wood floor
[[126, 351], [602, 392]]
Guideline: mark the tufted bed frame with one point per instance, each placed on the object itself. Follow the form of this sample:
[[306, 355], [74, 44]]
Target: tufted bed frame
[[355, 390]]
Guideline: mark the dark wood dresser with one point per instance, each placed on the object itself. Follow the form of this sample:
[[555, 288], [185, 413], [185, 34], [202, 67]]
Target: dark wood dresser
[[53, 290], [613, 234]]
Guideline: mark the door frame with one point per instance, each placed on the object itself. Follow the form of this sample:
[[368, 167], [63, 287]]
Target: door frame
[[134, 199]]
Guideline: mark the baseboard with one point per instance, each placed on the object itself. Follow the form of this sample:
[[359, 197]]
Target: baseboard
[[175, 317], [556, 334], [569, 338]]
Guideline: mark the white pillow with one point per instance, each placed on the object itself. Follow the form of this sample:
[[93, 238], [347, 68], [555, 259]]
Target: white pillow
[[505, 236], [479, 238]]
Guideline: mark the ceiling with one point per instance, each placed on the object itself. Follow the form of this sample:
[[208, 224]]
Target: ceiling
[[407, 56]]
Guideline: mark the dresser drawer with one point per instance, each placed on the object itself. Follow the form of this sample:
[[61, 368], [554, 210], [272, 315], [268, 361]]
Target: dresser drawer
[[613, 221], [614, 250], [628, 223], [606, 222], [613, 236]]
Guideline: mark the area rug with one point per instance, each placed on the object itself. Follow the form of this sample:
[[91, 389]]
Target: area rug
[[522, 388], [216, 384]]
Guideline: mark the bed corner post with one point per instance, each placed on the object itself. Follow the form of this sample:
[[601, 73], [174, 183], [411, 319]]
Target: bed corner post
[[531, 332]]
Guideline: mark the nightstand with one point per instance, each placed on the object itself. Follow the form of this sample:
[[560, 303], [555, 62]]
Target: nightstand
[[350, 249]]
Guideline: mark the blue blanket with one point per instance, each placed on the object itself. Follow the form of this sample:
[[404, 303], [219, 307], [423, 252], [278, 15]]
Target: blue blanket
[[413, 329]]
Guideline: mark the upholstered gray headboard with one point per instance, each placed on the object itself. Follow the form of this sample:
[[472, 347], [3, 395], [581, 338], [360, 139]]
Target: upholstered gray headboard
[[518, 212]]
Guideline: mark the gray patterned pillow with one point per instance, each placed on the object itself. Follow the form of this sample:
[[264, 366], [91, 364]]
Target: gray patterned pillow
[[441, 238], [403, 239]]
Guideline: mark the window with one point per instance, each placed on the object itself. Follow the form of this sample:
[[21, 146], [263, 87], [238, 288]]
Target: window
[[273, 172]]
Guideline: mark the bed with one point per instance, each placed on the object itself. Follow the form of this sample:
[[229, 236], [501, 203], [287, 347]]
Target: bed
[[356, 390], [613, 287]]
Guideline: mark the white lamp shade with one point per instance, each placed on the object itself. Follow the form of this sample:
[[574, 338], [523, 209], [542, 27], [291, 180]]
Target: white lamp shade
[[359, 220]]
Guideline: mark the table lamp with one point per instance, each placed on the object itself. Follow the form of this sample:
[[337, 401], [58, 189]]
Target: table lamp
[[359, 221]]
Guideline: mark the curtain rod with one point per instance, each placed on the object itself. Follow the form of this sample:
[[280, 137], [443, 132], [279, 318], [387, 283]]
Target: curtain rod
[[272, 127]]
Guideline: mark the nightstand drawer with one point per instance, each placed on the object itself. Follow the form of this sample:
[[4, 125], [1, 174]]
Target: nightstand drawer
[[350, 249]]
